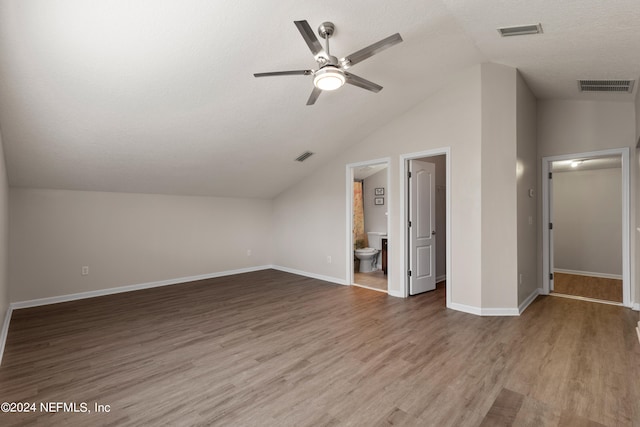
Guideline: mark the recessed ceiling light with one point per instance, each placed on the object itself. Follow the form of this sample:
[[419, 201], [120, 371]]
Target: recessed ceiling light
[[520, 30]]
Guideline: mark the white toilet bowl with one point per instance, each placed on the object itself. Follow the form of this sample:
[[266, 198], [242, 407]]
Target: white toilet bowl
[[368, 258]]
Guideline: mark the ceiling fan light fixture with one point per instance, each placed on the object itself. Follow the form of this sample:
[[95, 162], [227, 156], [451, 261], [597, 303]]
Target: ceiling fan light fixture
[[329, 78]]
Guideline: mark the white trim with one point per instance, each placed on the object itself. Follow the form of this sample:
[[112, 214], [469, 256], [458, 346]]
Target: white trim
[[349, 219], [576, 297], [478, 311], [500, 312], [370, 288], [404, 188], [441, 278], [588, 274], [636, 307], [627, 296], [5, 331], [330, 279], [466, 308], [129, 288], [531, 298], [395, 294]]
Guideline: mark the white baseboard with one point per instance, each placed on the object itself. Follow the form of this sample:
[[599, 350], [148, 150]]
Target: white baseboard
[[129, 288], [589, 273], [394, 293], [478, 311], [5, 331], [636, 307], [441, 278], [466, 308], [311, 275], [529, 300], [500, 312]]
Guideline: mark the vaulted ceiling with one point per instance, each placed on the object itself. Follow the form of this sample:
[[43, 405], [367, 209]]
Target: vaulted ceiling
[[158, 96]]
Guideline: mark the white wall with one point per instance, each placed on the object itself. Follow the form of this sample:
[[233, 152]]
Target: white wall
[[313, 212], [128, 239], [499, 187], [526, 173], [587, 221], [375, 218], [567, 127]]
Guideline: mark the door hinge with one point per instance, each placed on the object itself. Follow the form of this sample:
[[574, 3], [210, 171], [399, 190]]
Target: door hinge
[[550, 276], [408, 174], [550, 226], [550, 175], [409, 224], [409, 273]]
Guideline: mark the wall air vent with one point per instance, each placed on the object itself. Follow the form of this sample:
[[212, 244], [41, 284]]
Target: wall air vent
[[520, 30], [606, 85], [304, 156]]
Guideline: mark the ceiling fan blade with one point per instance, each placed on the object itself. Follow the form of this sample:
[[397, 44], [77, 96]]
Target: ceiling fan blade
[[309, 37], [363, 83], [314, 96], [285, 73], [369, 51]]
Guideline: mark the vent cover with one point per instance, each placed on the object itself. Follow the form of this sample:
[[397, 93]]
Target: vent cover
[[304, 156], [606, 85], [520, 30]]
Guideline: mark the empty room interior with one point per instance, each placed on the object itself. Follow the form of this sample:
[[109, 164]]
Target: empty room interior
[[360, 213]]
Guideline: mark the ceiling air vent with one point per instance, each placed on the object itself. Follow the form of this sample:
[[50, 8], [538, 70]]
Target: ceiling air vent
[[606, 85], [520, 30], [304, 156]]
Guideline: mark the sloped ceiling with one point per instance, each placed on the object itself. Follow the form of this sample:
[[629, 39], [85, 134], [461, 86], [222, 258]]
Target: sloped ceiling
[[158, 96]]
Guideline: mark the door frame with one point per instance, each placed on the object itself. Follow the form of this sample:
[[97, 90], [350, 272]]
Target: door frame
[[349, 220], [547, 206], [404, 215]]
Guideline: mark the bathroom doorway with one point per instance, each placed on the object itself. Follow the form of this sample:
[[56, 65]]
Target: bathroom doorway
[[368, 193]]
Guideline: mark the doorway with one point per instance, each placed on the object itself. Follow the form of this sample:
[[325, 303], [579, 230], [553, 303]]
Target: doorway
[[368, 219], [586, 238], [426, 221]]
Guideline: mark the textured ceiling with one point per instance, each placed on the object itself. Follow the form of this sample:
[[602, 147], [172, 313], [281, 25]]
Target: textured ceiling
[[159, 96]]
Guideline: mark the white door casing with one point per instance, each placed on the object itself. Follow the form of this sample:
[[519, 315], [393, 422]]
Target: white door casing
[[422, 225]]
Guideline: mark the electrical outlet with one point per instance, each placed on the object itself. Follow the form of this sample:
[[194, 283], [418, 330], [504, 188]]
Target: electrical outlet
[[85, 270], [530, 220], [248, 252], [328, 259], [520, 279]]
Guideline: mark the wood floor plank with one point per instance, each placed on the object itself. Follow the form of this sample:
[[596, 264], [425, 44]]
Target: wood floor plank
[[275, 349]]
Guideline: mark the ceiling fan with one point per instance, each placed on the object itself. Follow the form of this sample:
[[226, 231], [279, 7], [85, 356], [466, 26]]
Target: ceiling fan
[[331, 73]]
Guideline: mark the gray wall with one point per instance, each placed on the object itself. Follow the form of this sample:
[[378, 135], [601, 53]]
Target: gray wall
[[499, 187], [128, 239], [526, 172], [375, 218], [587, 221]]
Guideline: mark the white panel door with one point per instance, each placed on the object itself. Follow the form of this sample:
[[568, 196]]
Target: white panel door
[[422, 234]]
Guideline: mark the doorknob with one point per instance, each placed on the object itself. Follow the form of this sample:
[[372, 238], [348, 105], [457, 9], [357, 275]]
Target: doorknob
[[433, 233]]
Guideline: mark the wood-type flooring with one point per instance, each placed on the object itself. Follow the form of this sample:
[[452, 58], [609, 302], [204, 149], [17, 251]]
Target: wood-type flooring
[[274, 349]]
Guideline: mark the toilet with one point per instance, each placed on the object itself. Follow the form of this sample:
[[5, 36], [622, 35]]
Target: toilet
[[369, 256]]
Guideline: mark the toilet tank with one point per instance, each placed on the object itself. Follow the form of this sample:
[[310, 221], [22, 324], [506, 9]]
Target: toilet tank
[[375, 239]]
